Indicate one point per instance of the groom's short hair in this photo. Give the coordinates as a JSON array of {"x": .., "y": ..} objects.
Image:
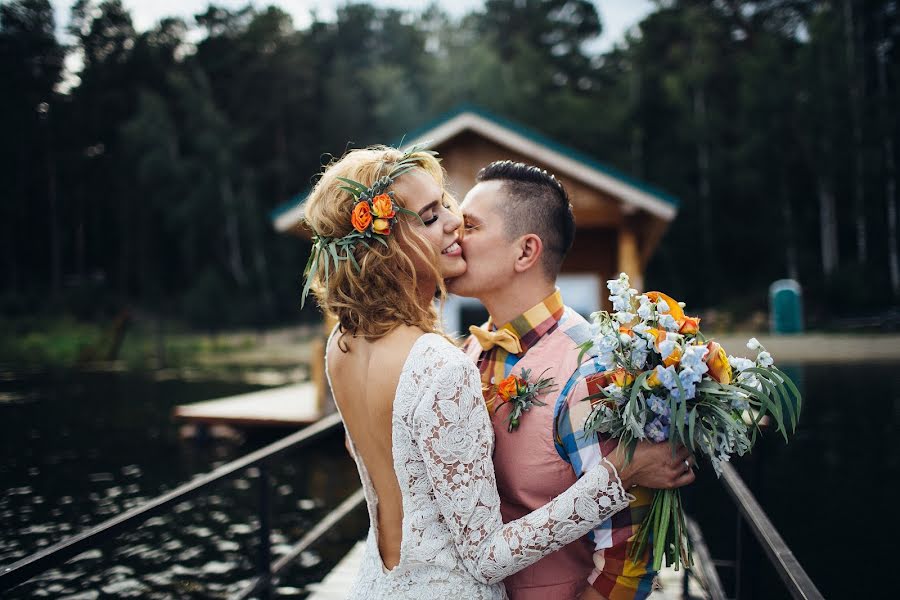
[{"x": 536, "y": 202}]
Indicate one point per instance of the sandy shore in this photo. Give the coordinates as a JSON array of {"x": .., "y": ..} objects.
[
  {"x": 284, "y": 347},
  {"x": 818, "y": 347}
]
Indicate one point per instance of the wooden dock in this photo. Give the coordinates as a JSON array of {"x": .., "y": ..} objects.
[
  {"x": 336, "y": 584},
  {"x": 287, "y": 406}
]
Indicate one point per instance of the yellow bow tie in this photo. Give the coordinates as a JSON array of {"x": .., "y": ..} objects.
[{"x": 502, "y": 337}]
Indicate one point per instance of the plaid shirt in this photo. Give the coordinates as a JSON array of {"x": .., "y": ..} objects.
[{"x": 616, "y": 577}]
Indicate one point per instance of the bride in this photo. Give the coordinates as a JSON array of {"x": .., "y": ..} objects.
[{"x": 385, "y": 238}]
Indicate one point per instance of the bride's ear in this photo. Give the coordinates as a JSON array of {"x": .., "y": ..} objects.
[{"x": 530, "y": 248}]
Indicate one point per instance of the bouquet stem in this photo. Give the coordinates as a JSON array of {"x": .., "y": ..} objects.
[{"x": 664, "y": 529}]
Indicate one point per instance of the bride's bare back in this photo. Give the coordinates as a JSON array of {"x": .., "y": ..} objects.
[{"x": 364, "y": 381}]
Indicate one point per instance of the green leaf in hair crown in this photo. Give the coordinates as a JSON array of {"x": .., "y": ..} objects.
[{"x": 372, "y": 217}]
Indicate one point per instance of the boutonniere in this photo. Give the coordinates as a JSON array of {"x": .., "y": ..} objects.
[{"x": 521, "y": 395}]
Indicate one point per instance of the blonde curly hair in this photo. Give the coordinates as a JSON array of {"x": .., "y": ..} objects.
[{"x": 383, "y": 293}]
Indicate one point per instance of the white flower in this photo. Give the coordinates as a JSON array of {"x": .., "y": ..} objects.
[
  {"x": 643, "y": 330},
  {"x": 645, "y": 310},
  {"x": 688, "y": 375},
  {"x": 753, "y": 343},
  {"x": 662, "y": 306},
  {"x": 668, "y": 322},
  {"x": 608, "y": 360},
  {"x": 624, "y": 338},
  {"x": 750, "y": 379},
  {"x": 638, "y": 358},
  {"x": 638, "y": 343},
  {"x": 624, "y": 317},
  {"x": 618, "y": 286},
  {"x": 688, "y": 378},
  {"x": 764, "y": 359},
  {"x": 739, "y": 364},
  {"x": 620, "y": 302},
  {"x": 667, "y": 376},
  {"x": 666, "y": 348},
  {"x": 693, "y": 357},
  {"x": 614, "y": 391},
  {"x": 608, "y": 343}
]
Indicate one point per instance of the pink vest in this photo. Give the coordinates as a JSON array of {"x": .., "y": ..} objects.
[{"x": 530, "y": 472}]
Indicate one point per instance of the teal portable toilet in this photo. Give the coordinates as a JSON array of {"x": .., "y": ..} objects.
[{"x": 785, "y": 307}]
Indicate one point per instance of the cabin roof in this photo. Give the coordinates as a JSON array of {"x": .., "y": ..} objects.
[{"x": 559, "y": 158}]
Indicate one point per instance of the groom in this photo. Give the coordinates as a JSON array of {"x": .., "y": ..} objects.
[{"x": 518, "y": 229}]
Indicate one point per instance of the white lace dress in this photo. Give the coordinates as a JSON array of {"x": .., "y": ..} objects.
[{"x": 454, "y": 543}]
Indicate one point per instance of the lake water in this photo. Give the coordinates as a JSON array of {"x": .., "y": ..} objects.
[
  {"x": 79, "y": 448},
  {"x": 828, "y": 492}
]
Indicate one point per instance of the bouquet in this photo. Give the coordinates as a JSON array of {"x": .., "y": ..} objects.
[{"x": 664, "y": 381}]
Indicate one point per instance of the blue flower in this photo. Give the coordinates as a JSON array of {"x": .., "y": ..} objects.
[
  {"x": 658, "y": 405},
  {"x": 656, "y": 430}
]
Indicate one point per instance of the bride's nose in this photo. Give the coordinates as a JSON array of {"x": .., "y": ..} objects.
[{"x": 452, "y": 223}]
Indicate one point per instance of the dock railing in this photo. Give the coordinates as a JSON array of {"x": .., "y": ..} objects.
[
  {"x": 751, "y": 515},
  {"x": 792, "y": 575},
  {"x": 31, "y": 566}
]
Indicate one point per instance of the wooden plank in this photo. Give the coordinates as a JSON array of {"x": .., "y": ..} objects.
[
  {"x": 286, "y": 406},
  {"x": 337, "y": 583}
]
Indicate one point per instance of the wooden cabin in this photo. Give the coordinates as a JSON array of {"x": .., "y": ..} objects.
[{"x": 620, "y": 220}]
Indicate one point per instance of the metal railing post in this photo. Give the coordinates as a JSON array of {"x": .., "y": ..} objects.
[
  {"x": 738, "y": 558},
  {"x": 264, "y": 560}
]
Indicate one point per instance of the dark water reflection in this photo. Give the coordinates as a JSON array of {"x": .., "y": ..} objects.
[
  {"x": 828, "y": 492},
  {"x": 79, "y": 448}
]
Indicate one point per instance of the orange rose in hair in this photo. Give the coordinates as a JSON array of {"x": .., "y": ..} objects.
[
  {"x": 383, "y": 207},
  {"x": 381, "y": 226},
  {"x": 361, "y": 217}
]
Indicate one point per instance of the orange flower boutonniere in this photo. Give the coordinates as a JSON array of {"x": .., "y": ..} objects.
[{"x": 521, "y": 395}]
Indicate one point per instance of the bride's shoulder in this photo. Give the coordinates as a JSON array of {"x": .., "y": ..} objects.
[{"x": 449, "y": 352}]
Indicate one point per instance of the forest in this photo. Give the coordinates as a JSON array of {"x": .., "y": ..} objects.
[{"x": 146, "y": 178}]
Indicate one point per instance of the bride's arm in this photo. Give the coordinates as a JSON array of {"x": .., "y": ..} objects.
[{"x": 454, "y": 434}]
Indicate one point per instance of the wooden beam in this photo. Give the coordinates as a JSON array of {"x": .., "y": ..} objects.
[{"x": 629, "y": 256}]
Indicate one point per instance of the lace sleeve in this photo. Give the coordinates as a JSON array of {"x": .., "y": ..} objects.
[{"x": 454, "y": 435}]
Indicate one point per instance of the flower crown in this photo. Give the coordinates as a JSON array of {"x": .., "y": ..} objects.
[{"x": 372, "y": 217}]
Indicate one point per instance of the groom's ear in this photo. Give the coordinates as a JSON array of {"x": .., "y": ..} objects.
[{"x": 530, "y": 248}]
